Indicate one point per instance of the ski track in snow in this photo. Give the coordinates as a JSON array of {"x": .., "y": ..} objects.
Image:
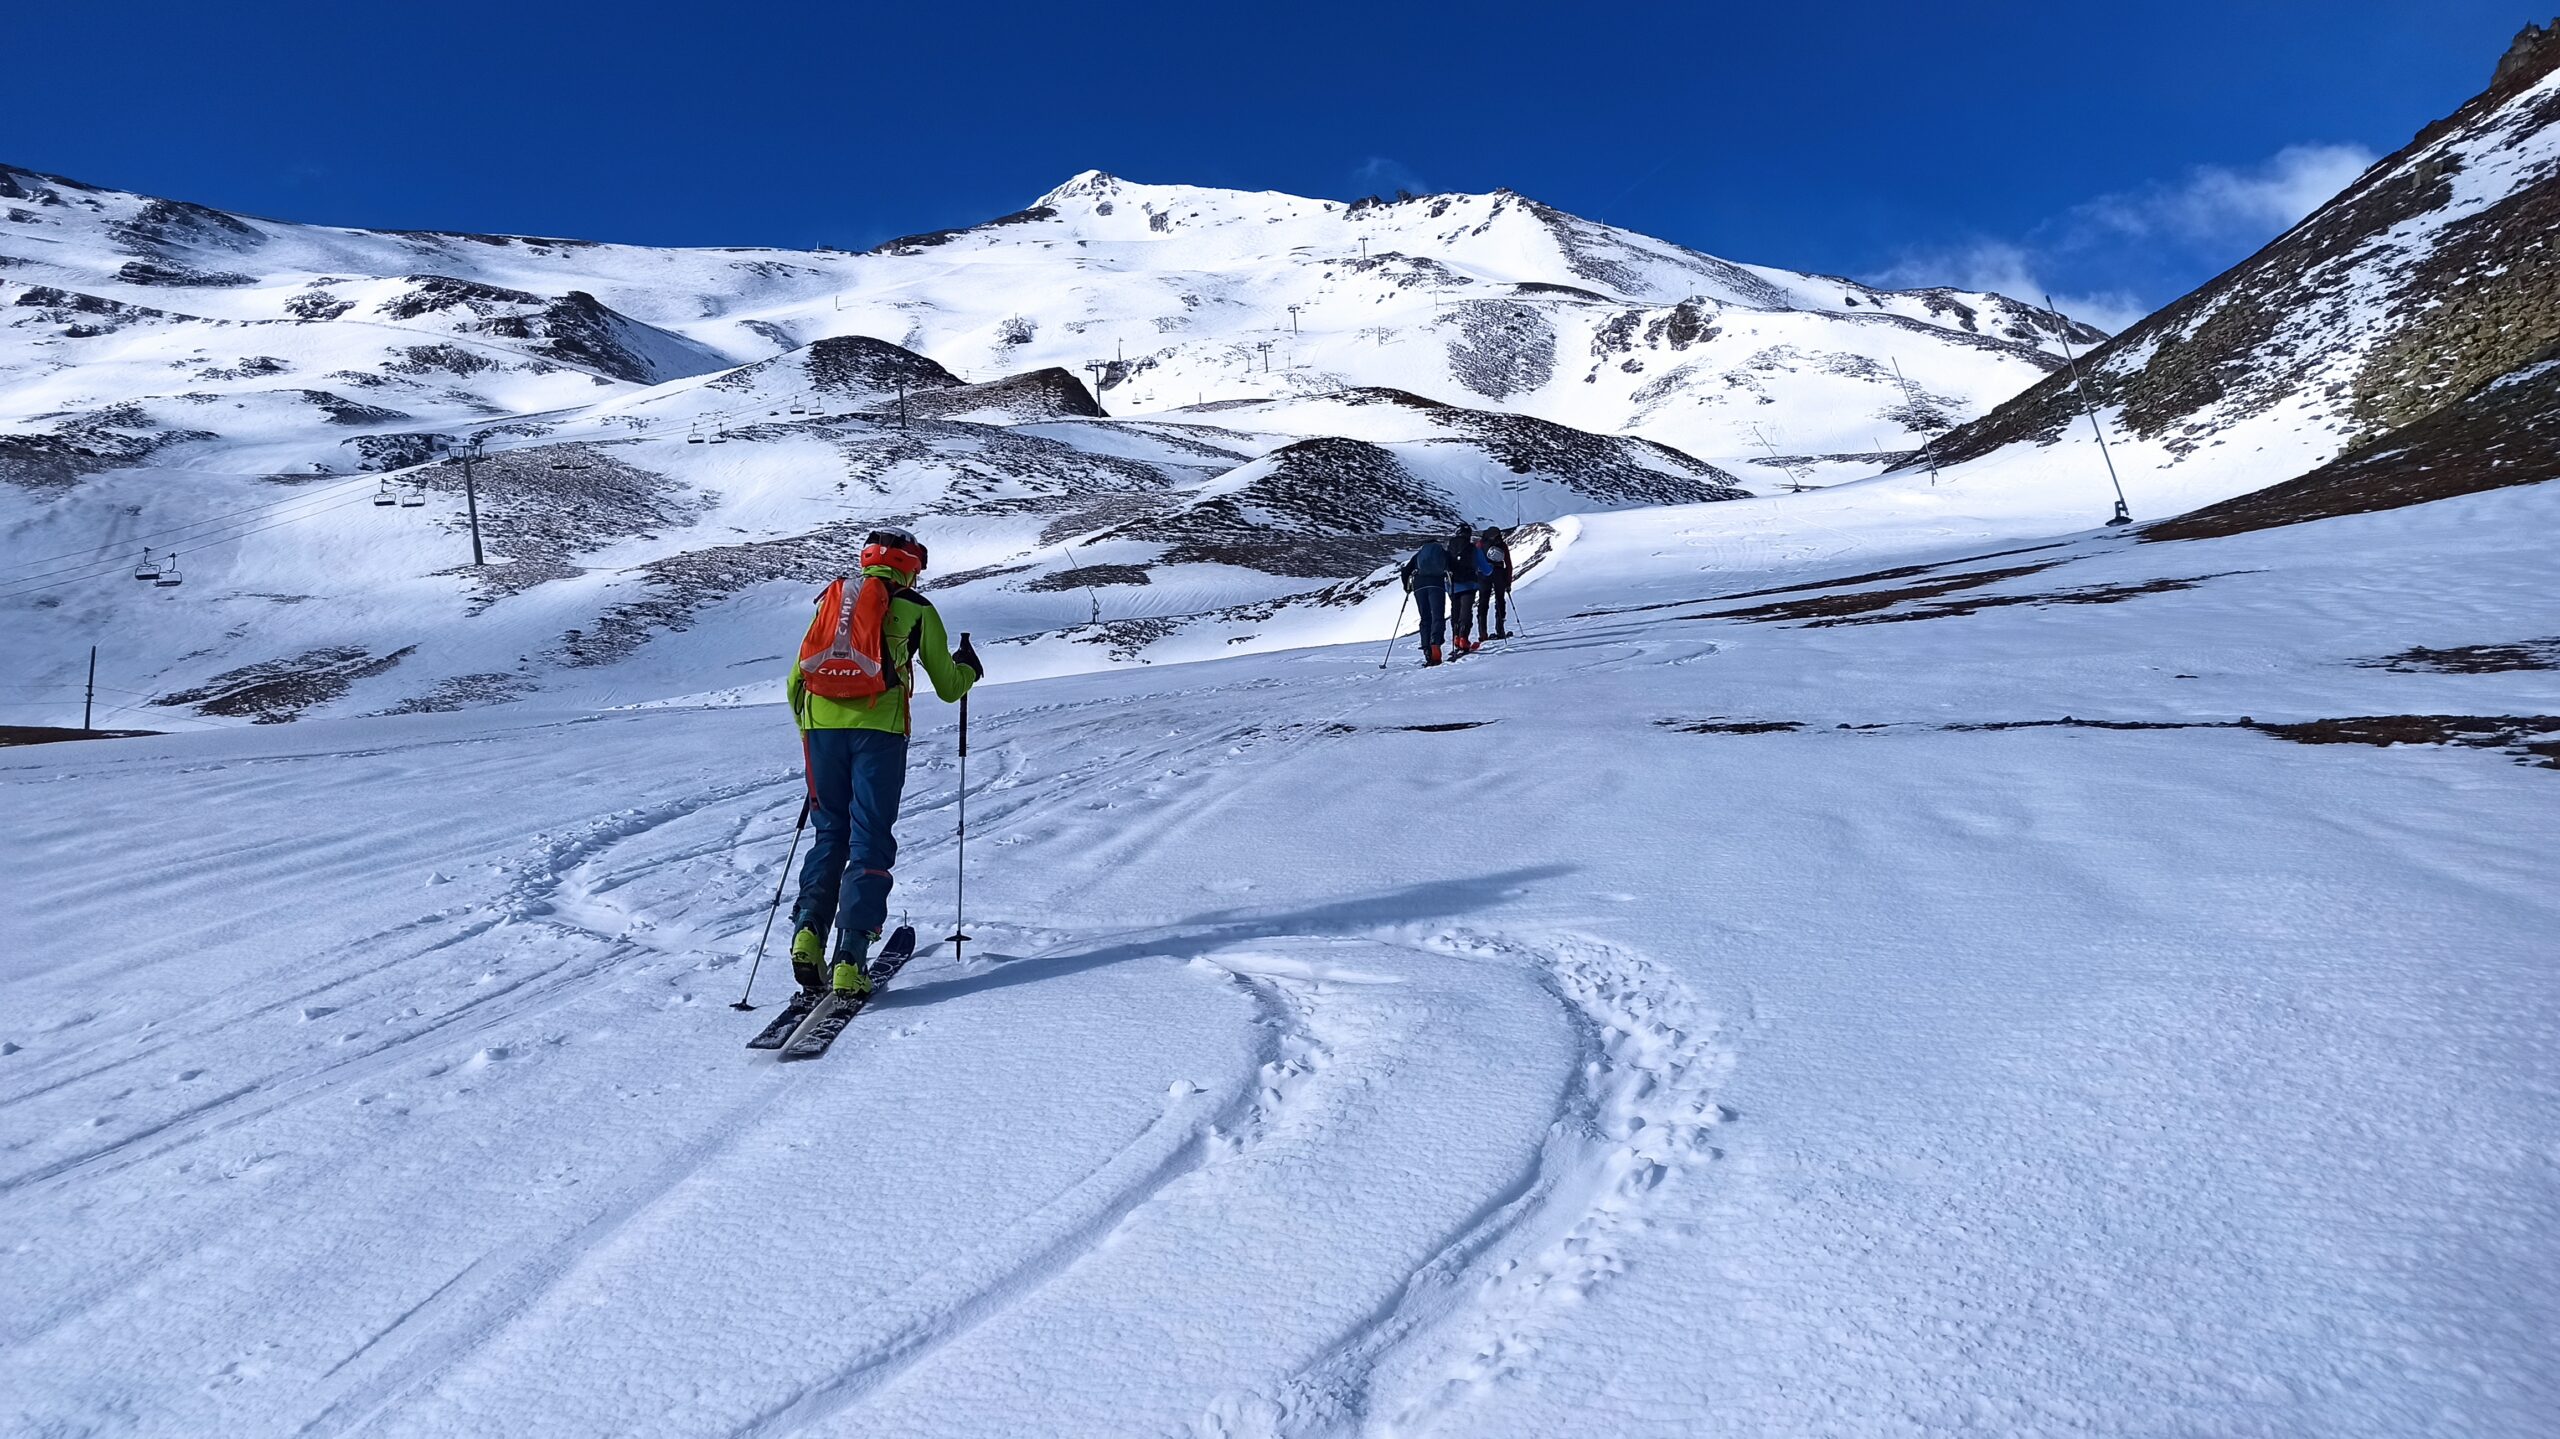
[
  {"x": 1627, "y": 1108},
  {"x": 1632, "y": 1112},
  {"x": 1639, "y": 1114},
  {"x": 552, "y": 872}
]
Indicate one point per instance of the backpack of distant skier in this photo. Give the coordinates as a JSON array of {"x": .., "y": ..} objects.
[{"x": 844, "y": 656}]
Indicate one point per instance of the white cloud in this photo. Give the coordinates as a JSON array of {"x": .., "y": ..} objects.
[
  {"x": 1383, "y": 175},
  {"x": 2007, "y": 269},
  {"x": 2217, "y": 205},
  {"x": 2144, "y": 245}
]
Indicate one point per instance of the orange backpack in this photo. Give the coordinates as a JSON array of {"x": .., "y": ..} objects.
[{"x": 845, "y": 654}]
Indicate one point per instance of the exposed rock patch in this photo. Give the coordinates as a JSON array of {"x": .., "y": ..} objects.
[
  {"x": 276, "y": 691},
  {"x": 1503, "y": 348},
  {"x": 2542, "y": 654}
]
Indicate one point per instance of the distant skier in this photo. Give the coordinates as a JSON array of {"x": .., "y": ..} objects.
[
  {"x": 1426, "y": 578},
  {"x": 849, "y": 692},
  {"x": 1464, "y": 578},
  {"x": 1493, "y": 596}
]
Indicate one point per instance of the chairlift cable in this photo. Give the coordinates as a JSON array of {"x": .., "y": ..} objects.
[
  {"x": 213, "y": 534},
  {"x": 25, "y": 588},
  {"x": 214, "y": 537}
]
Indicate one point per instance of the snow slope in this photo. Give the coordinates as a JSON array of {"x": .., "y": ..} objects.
[{"x": 1762, "y": 998}]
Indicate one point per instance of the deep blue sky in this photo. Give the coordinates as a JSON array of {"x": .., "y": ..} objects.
[{"x": 2121, "y": 153}]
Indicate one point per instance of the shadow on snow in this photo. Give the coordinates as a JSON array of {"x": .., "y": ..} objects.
[{"x": 1206, "y": 933}]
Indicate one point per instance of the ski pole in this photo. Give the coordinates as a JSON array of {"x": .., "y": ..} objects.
[
  {"x": 776, "y": 909},
  {"x": 1398, "y": 632},
  {"x": 960, "y": 888}
]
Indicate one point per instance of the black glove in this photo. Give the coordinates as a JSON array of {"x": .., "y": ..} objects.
[{"x": 967, "y": 654}]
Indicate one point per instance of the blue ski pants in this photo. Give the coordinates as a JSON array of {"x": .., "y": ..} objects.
[
  {"x": 1433, "y": 602},
  {"x": 856, "y": 777}
]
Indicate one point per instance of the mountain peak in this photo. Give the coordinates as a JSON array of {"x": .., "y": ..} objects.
[{"x": 1084, "y": 185}]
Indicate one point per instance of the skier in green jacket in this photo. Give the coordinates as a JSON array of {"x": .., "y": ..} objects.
[{"x": 856, "y": 755}]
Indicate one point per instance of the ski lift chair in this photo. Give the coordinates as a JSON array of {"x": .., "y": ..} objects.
[
  {"x": 382, "y": 495},
  {"x": 146, "y": 570},
  {"x": 169, "y": 576},
  {"x": 413, "y": 497}
]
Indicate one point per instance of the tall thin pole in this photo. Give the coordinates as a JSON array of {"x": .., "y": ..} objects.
[
  {"x": 1088, "y": 584},
  {"x": 1911, "y": 403},
  {"x": 471, "y": 499},
  {"x": 960, "y": 894},
  {"x": 2123, "y": 516},
  {"x": 89, "y": 700}
]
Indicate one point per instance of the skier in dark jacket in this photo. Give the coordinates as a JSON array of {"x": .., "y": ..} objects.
[
  {"x": 1426, "y": 578},
  {"x": 1493, "y": 596},
  {"x": 1463, "y": 581}
]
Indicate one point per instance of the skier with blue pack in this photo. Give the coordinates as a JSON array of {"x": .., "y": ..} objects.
[
  {"x": 1493, "y": 597},
  {"x": 1467, "y": 571}
]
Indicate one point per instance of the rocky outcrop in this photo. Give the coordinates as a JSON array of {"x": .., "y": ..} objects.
[
  {"x": 1046, "y": 394},
  {"x": 2534, "y": 54},
  {"x": 861, "y": 365}
]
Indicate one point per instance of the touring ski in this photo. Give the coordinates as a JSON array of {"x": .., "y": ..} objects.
[
  {"x": 838, "y": 1010},
  {"x": 778, "y": 1033}
]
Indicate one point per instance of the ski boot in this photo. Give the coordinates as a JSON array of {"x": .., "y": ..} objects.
[
  {"x": 852, "y": 952},
  {"x": 1430, "y": 656},
  {"x": 808, "y": 959}
]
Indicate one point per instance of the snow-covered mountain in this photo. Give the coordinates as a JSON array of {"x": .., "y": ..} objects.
[
  {"x": 2409, "y": 327},
  {"x": 1141, "y": 422}
]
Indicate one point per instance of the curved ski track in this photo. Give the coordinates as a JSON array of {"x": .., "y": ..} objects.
[{"x": 1627, "y": 1107}]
